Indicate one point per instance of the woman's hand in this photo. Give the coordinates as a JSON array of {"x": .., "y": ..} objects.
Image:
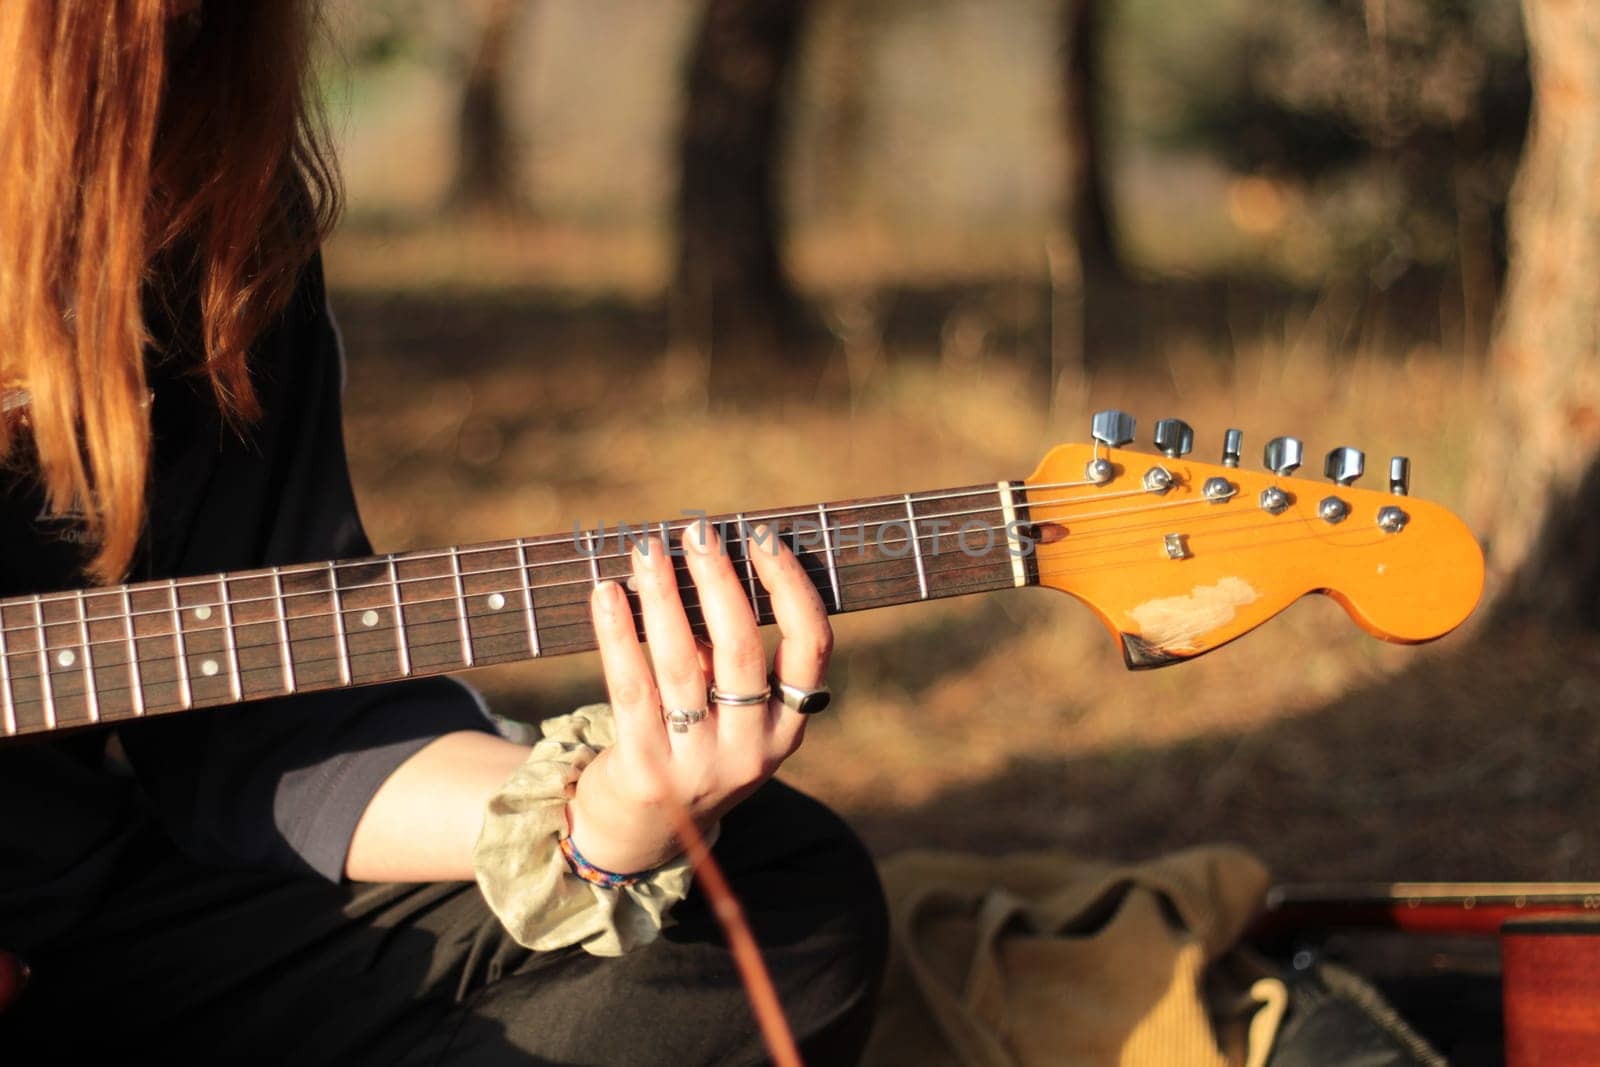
[{"x": 621, "y": 815}]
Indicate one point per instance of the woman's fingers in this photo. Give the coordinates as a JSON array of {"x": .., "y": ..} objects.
[
  {"x": 738, "y": 744},
  {"x": 679, "y": 677},
  {"x": 806, "y": 637},
  {"x": 739, "y": 662},
  {"x": 635, "y": 704}
]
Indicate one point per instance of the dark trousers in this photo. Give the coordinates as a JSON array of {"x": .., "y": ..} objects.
[{"x": 200, "y": 965}]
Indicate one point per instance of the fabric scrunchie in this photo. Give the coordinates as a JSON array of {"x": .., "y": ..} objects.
[{"x": 525, "y": 878}]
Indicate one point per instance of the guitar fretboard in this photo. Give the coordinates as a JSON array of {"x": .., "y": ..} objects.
[{"x": 113, "y": 654}]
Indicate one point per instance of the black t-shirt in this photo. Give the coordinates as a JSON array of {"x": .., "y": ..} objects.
[{"x": 279, "y": 782}]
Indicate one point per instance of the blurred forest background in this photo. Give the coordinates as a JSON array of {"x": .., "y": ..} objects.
[{"x": 610, "y": 259}]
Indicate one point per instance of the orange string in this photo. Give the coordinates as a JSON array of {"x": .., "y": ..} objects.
[{"x": 775, "y": 1032}]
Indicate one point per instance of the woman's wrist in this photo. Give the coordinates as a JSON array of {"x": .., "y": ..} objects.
[
  {"x": 623, "y": 846},
  {"x": 580, "y": 867}
]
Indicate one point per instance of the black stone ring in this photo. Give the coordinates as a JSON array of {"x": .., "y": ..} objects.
[{"x": 805, "y": 701}]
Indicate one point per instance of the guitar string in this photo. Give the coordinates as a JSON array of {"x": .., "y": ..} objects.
[
  {"x": 295, "y": 569},
  {"x": 73, "y": 676},
  {"x": 317, "y": 568},
  {"x": 166, "y": 588},
  {"x": 452, "y": 619},
  {"x": 32, "y": 629}
]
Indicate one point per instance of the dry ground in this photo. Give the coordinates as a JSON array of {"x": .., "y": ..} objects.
[{"x": 1008, "y": 720}]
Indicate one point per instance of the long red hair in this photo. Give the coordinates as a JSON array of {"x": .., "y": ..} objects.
[{"x": 143, "y": 154}]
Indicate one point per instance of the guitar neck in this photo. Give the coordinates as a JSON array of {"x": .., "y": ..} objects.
[
  {"x": 113, "y": 654},
  {"x": 1421, "y": 907}
]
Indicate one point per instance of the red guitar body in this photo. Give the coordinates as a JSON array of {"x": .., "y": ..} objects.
[{"x": 1550, "y": 967}]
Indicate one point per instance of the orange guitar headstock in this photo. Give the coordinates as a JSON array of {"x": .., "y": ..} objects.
[{"x": 1179, "y": 557}]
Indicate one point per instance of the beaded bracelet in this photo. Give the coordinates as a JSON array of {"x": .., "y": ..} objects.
[{"x": 589, "y": 872}]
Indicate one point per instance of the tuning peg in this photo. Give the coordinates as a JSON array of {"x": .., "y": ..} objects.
[
  {"x": 1344, "y": 465},
  {"x": 1112, "y": 428},
  {"x": 1283, "y": 455},
  {"x": 1399, "y": 476},
  {"x": 1174, "y": 437},
  {"x": 1232, "y": 441}
]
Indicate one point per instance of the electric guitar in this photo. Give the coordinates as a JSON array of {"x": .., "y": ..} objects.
[
  {"x": 1548, "y": 933},
  {"x": 1174, "y": 556}
]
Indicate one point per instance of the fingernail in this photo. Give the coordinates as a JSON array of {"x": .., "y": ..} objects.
[
  {"x": 643, "y": 553},
  {"x": 703, "y": 538}
]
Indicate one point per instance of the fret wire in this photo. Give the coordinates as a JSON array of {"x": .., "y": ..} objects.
[
  {"x": 229, "y": 642},
  {"x": 90, "y": 697},
  {"x": 594, "y": 555},
  {"x": 5, "y": 680},
  {"x": 916, "y": 546},
  {"x": 179, "y": 648},
  {"x": 283, "y": 631},
  {"x": 461, "y": 605},
  {"x": 402, "y": 643},
  {"x": 46, "y": 688},
  {"x": 135, "y": 681},
  {"x": 827, "y": 549},
  {"x": 338, "y": 624},
  {"x": 527, "y": 597},
  {"x": 749, "y": 566}
]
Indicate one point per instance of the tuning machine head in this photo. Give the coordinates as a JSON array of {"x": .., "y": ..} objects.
[
  {"x": 1112, "y": 428},
  {"x": 1399, "y": 476},
  {"x": 1174, "y": 437},
  {"x": 1344, "y": 465},
  {"x": 1232, "y": 442},
  {"x": 1283, "y": 455}
]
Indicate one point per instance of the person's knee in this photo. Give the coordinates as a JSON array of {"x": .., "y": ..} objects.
[{"x": 817, "y": 910}]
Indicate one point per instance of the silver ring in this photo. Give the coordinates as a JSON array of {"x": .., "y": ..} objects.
[
  {"x": 680, "y": 719},
  {"x": 717, "y": 696},
  {"x": 805, "y": 701}
]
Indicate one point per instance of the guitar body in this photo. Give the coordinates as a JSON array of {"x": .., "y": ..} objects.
[
  {"x": 1550, "y": 970},
  {"x": 1549, "y": 935}
]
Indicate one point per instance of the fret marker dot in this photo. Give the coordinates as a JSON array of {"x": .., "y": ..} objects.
[
  {"x": 66, "y": 658},
  {"x": 202, "y": 613},
  {"x": 369, "y": 618},
  {"x": 496, "y": 601},
  {"x": 209, "y": 667}
]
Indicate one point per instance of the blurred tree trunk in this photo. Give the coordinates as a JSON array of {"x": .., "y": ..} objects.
[
  {"x": 487, "y": 171},
  {"x": 1089, "y": 213},
  {"x": 842, "y": 53},
  {"x": 1539, "y": 467},
  {"x": 731, "y": 295}
]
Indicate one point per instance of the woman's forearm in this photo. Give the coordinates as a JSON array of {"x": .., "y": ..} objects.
[{"x": 422, "y": 822}]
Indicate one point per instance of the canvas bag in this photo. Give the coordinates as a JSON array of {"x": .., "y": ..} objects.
[{"x": 1049, "y": 958}]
